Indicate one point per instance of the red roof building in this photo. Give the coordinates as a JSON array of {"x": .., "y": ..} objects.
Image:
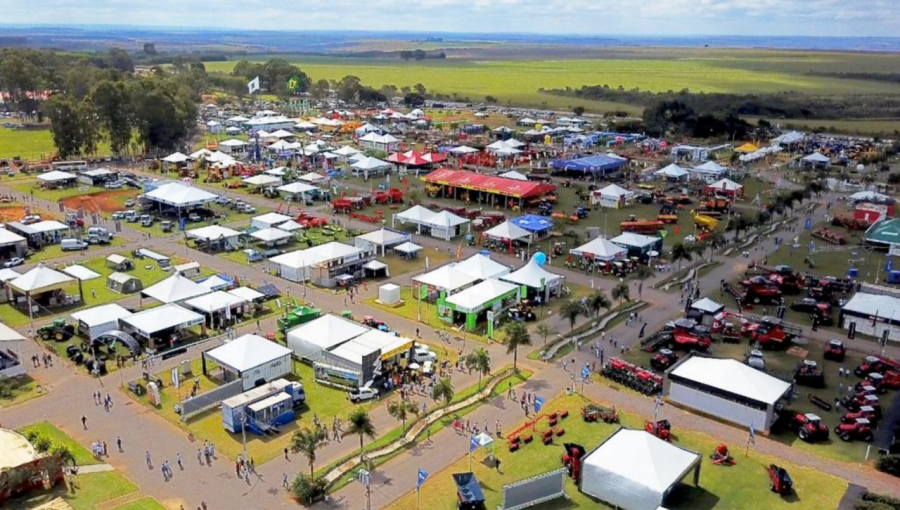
[{"x": 451, "y": 180}]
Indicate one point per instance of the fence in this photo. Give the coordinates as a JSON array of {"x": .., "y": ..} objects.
[{"x": 195, "y": 405}]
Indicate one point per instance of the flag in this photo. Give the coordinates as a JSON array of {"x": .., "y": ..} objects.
[
  {"x": 253, "y": 86},
  {"x": 890, "y": 265},
  {"x": 293, "y": 83},
  {"x": 752, "y": 435},
  {"x": 473, "y": 444},
  {"x": 423, "y": 475},
  {"x": 585, "y": 372},
  {"x": 677, "y": 230},
  {"x": 181, "y": 223},
  {"x": 538, "y": 404},
  {"x": 658, "y": 404}
]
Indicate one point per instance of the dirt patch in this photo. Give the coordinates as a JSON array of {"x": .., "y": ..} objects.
[
  {"x": 10, "y": 213},
  {"x": 105, "y": 201}
]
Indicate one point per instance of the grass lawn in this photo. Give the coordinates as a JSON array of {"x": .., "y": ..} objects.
[
  {"x": 742, "y": 486},
  {"x": 55, "y": 195},
  {"x": 784, "y": 363},
  {"x": 82, "y": 455},
  {"x": 33, "y": 144},
  {"x": 24, "y": 389},
  {"x": 92, "y": 489},
  {"x": 55, "y": 251},
  {"x": 147, "y": 503}
]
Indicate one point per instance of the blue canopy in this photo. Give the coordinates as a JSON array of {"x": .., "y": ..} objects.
[
  {"x": 598, "y": 163},
  {"x": 533, "y": 223}
]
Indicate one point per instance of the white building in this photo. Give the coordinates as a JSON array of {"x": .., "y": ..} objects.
[{"x": 252, "y": 359}]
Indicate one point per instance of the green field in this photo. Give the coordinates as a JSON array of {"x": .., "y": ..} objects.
[{"x": 33, "y": 144}]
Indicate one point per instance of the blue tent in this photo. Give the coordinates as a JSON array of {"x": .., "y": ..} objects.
[
  {"x": 599, "y": 163},
  {"x": 533, "y": 223}
]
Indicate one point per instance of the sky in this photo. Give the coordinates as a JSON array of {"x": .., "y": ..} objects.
[{"x": 869, "y": 18}]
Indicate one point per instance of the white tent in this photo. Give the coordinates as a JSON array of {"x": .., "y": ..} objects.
[
  {"x": 176, "y": 157},
  {"x": 161, "y": 318},
  {"x": 726, "y": 185},
  {"x": 212, "y": 233},
  {"x": 512, "y": 174},
  {"x": 868, "y": 196},
  {"x": 271, "y": 235},
  {"x": 7, "y": 274},
  {"x": 613, "y": 196},
  {"x": 599, "y": 248},
  {"x": 290, "y": 226},
  {"x": 233, "y": 143},
  {"x": 370, "y": 165},
  {"x": 174, "y": 289},
  {"x": 788, "y": 138},
  {"x": 707, "y": 305},
  {"x": 408, "y": 248},
  {"x": 630, "y": 239},
  {"x": 100, "y": 319},
  {"x": 444, "y": 224},
  {"x": 481, "y": 267},
  {"x": 416, "y": 215},
  {"x": 268, "y": 220},
  {"x": 313, "y": 177},
  {"x": 263, "y": 180},
  {"x": 464, "y": 150},
  {"x": 307, "y": 341},
  {"x": 202, "y": 153},
  {"x": 281, "y": 133},
  {"x": 81, "y": 272},
  {"x": 672, "y": 171},
  {"x": 507, "y": 151},
  {"x": 533, "y": 275},
  {"x": 477, "y": 297},
  {"x": 40, "y": 279},
  {"x": 297, "y": 188},
  {"x": 383, "y": 238},
  {"x": 56, "y": 176},
  {"x": 252, "y": 358},
  {"x": 507, "y": 231},
  {"x": 215, "y": 302},
  {"x": 215, "y": 282},
  {"x": 446, "y": 278},
  {"x": 247, "y": 294},
  {"x": 635, "y": 470},
  {"x": 817, "y": 158},
  {"x": 180, "y": 195},
  {"x": 346, "y": 151}
]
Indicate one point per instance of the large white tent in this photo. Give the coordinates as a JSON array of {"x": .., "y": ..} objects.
[
  {"x": 533, "y": 275},
  {"x": 444, "y": 224},
  {"x": 370, "y": 166},
  {"x": 211, "y": 233},
  {"x": 40, "y": 279},
  {"x": 508, "y": 231},
  {"x": 176, "y": 157},
  {"x": 272, "y": 235},
  {"x": 263, "y": 180},
  {"x": 599, "y": 248},
  {"x": 416, "y": 215},
  {"x": 446, "y": 278},
  {"x": 672, "y": 171},
  {"x": 174, "y": 289},
  {"x": 307, "y": 341},
  {"x": 100, "y": 320},
  {"x": 252, "y": 359},
  {"x": 152, "y": 321},
  {"x": 477, "y": 297},
  {"x": 613, "y": 196},
  {"x": 383, "y": 238},
  {"x": 635, "y": 470},
  {"x": 481, "y": 267},
  {"x": 215, "y": 302},
  {"x": 177, "y": 194}
]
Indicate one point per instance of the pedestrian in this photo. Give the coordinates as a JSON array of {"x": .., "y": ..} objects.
[
  {"x": 247, "y": 476},
  {"x": 237, "y": 468},
  {"x": 84, "y": 421},
  {"x": 417, "y": 333},
  {"x": 104, "y": 450},
  {"x": 284, "y": 480},
  {"x": 149, "y": 461},
  {"x": 199, "y": 456},
  {"x": 497, "y": 464},
  {"x": 257, "y": 325},
  {"x": 119, "y": 443},
  {"x": 165, "y": 475},
  {"x": 178, "y": 460},
  {"x": 286, "y": 454}
]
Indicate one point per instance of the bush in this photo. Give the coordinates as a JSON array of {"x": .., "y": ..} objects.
[
  {"x": 889, "y": 464},
  {"x": 308, "y": 490},
  {"x": 872, "y": 501}
]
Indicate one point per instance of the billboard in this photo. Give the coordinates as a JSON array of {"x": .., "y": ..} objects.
[{"x": 534, "y": 491}]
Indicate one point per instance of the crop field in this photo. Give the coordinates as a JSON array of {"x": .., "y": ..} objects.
[{"x": 33, "y": 144}]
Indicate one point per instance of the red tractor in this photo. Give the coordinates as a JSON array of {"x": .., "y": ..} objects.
[
  {"x": 661, "y": 429},
  {"x": 664, "y": 359},
  {"x": 689, "y": 335},
  {"x": 760, "y": 291},
  {"x": 881, "y": 382},
  {"x": 721, "y": 457},
  {"x": 808, "y": 374},
  {"x": 857, "y": 402},
  {"x": 876, "y": 364},
  {"x": 861, "y": 428},
  {"x": 779, "y": 480},
  {"x": 632, "y": 376},
  {"x": 835, "y": 351},
  {"x": 866, "y": 412},
  {"x": 571, "y": 460},
  {"x": 809, "y": 427},
  {"x": 772, "y": 333},
  {"x": 342, "y": 205}
]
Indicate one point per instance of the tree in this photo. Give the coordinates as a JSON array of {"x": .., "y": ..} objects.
[
  {"x": 361, "y": 425},
  {"x": 401, "y": 409},
  {"x": 419, "y": 89},
  {"x": 308, "y": 442},
  {"x": 348, "y": 88},
  {"x": 516, "y": 334},
  {"x": 7, "y": 387},
  {"x": 544, "y": 330},
  {"x": 413, "y": 99},
  {"x": 320, "y": 89},
  {"x": 443, "y": 390},
  {"x": 72, "y": 125},
  {"x": 598, "y": 301},
  {"x": 578, "y": 111},
  {"x": 149, "y": 48},
  {"x": 117, "y": 58},
  {"x": 306, "y": 489},
  {"x": 165, "y": 110},
  {"x": 621, "y": 291},
  {"x": 112, "y": 105},
  {"x": 570, "y": 311},
  {"x": 480, "y": 361},
  {"x": 680, "y": 253}
]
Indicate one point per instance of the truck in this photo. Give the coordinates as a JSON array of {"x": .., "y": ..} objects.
[{"x": 99, "y": 235}]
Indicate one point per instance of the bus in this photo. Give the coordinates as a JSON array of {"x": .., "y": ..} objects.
[{"x": 69, "y": 166}]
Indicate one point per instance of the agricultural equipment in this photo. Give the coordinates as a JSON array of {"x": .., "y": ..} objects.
[
  {"x": 876, "y": 364},
  {"x": 721, "y": 457},
  {"x": 861, "y": 428},
  {"x": 779, "y": 480},
  {"x": 581, "y": 213},
  {"x": 860, "y": 400},
  {"x": 756, "y": 360},
  {"x": 850, "y": 223},
  {"x": 664, "y": 359},
  {"x": 820, "y": 311},
  {"x": 829, "y": 236},
  {"x": 705, "y": 221},
  {"x": 758, "y": 291},
  {"x": 729, "y": 333},
  {"x": 881, "y": 382},
  {"x": 300, "y": 314},
  {"x": 632, "y": 376},
  {"x": 642, "y": 226},
  {"x": 593, "y": 412},
  {"x": 866, "y": 412},
  {"x": 545, "y": 208},
  {"x": 808, "y": 374},
  {"x": 661, "y": 429},
  {"x": 689, "y": 335},
  {"x": 771, "y": 333},
  {"x": 668, "y": 219},
  {"x": 835, "y": 351},
  {"x": 341, "y": 205},
  {"x": 368, "y": 219},
  {"x": 57, "y": 330},
  {"x": 372, "y": 322},
  {"x": 718, "y": 204},
  {"x": 809, "y": 427},
  {"x": 571, "y": 460}
]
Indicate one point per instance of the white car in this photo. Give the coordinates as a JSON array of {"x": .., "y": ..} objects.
[
  {"x": 363, "y": 394},
  {"x": 13, "y": 262},
  {"x": 129, "y": 202},
  {"x": 423, "y": 353}
]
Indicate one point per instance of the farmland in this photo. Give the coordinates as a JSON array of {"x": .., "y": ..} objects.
[{"x": 32, "y": 144}]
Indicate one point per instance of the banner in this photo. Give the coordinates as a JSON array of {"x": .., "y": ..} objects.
[{"x": 253, "y": 86}]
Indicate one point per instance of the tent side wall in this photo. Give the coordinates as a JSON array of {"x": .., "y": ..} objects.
[
  {"x": 267, "y": 372},
  {"x": 742, "y": 412},
  {"x": 618, "y": 491}
]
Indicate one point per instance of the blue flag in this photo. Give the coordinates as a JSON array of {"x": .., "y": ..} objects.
[
  {"x": 538, "y": 404},
  {"x": 182, "y": 222},
  {"x": 422, "y": 476},
  {"x": 752, "y": 434},
  {"x": 473, "y": 444},
  {"x": 890, "y": 265},
  {"x": 808, "y": 224},
  {"x": 585, "y": 372}
]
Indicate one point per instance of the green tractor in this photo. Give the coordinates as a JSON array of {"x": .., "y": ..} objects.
[
  {"x": 57, "y": 330},
  {"x": 299, "y": 315}
]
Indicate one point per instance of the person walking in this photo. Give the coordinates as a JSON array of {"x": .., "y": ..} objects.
[
  {"x": 199, "y": 456},
  {"x": 286, "y": 454},
  {"x": 119, "y": 443},
  {"x": 148, "y": 459},
  {"x": 84, "y": 421},
  {"x": 178, "y": 460},
  {"x": 284, "y": 480}
]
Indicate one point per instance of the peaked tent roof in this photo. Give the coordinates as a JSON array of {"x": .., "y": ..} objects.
[
  {"x": 726, "y": 184},
  {"x": 40, "y": 279},
  {"x": 271, "y": 234},
  {"x": 180, "y": 195},
  {"x": 614, "y": 191},
  {"x": 481, "y": 267},
  {"x": 247, "y": 352},
  {"x": 370, "y": 163},
  {"x": 474, "y": 297},
  {"x": 634, "y": 240},
  {"x": 817, "y": 157},
  {"x": 416, "y": 214},
  {"x": 672, "y": 170},
  {"x": 531, "y": 274},
  {"x": 446, "y": 277},
  {"x": 214, "y": 302},
  {"x": 533, "y": 222},
  {"x": 446, "y": 219},
  {"x": 310, "y": 339},
  {"x": 600, "y": 248},
  {"x": 175, "y": 157},
  {"x": 886, "y": 231},
  {"x": 710, "y": 166},
  {"x": 787, "y": 138},
  {"x": 734, "y": 377},
  {"x": 384, "y": 237},
  {"x": 508, "y": 230},
  {"x": 512, "y": 174},
  {"x": 175, "y": 288},
  {"x": 707, "y": 305}
]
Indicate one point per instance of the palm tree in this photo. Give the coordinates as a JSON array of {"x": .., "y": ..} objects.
[
  {"x": 443, "y": 389},
  {"x": 598, "y": 301},
  {"x": 516, "y": 334},
  {"x": 544, "y": 330},
  {"x": 712, "y": 240},
  {"x": 620, "y": 291},
  {"x": 480, "y": 361},
  {"x": 307, "y": 442},
  {"x": 361, "y": 425},
  {"x": 571, "y": 310},
  {"x": 401, "y": 410},
  {"x": 679, "y": 253}
]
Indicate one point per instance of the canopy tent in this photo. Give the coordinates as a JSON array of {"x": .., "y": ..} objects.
[
  {"x": 174, "y": 289},
  {"x": 278, "y": 171},
  {"x": 747, "y": 148},
  {"x": 212, "y": 233},
  {"x": 709, "y": 171},
  {"x": 672, "y": 171},
  {"x": 40, "y": 279},
  {"x": 297, "y": 188},
  {"x": 247, "y": 294},
  {"x": 635, "y": 470},
  {"x": 347, "y": 151},
  {"x": 707, "y": 306},
  {"x": 268, "y": 220},
  {"x": 307, "y": 341},
  {"x": 481, "y": 267},
  {"x": 599, "y": 163},
  {"x": 601, "y": 249},
  {"x": 262, "y": 180},
  {"x": 56, "y": 176},
  {"x": 444, "y": 224},
  {"x": 533, "y": 223},
  {"x": 725, "y": 187},
  {"x": 271, "y": 236},
  {"x": 313, "y": 177},
  {"x": 507, "y": 231},
  {"x": 216, "y": 282},
  {"x": 446, "y": 278},
  {"x": 883, "y": 232},
  {"x": 155, "y": 320},
  {"x": 248, "y": 353},
  {"x": 533, "y": 275},
  {"x": 462, "y": 150},
  {"x": 215, "y": 302},
  {"x": 408, "y": 249},
  {"x": 733, "y": 377},
  {"x": 512, "y": 174},
  {"x": 80, "y": 272},
  {"x": 613, "y": 196},
  {"x": 389, "y": 344},
  {"x": 176, "y": 157},
  {"x": 383, "y": 238},
  {"x": 481, "y": 296},
  {"x": 789, "y": 138},
  {"x": 180, "y": 195},
  {"x": 290, "y": 226},
  {"x": 202, "y": 153},
  {"x": 233, "y": 143},
  {"x": 100, "y": 319},
  {"x": 370, "y": 166},
  {"x": 7, "y": 274},
  {"x": 816, "y": 159},
  {"x": 8, "y": 334},
  {"x": 632, "y": 240},
  {"x": 375, "y": 267},
  {"x": 416, "y": 215}
]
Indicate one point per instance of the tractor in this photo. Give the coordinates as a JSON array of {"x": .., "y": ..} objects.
[
  {"x": 819, "y": 311},
  {"x": 809, "y": 374},
  {"x": 881, "y": 382},
  {"x": 876, "y": 364},
  {"x": 571, "y": 460},
  {"x": 664, "y": 359},
  {"x": 661, "y": 429},
  {"x": 689, "y": 335},
  {"x": 593, "y": 413},
  {"x": 57, "y": 330},
  {"x": 773, "y": 334},
  {"x": 809, "y": 427},
  {"x": 721, "y": 457},
  {"x": 866, "y": 412},
  {"x": 835, "y": 351},
  {"x": 779, "y": 480},
  {"x": 857, "y": 402},
  {"x": 861, "y": 428}
]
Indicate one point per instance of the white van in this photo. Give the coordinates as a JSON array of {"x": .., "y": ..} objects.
[{"x": 73, "y": 245}]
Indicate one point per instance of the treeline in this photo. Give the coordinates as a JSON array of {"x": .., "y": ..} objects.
[
  {"x": 421, "y": 55},
  {"x": 98, "y": 96},
  {"x": 781, "y": 105},
  {"x": 677, "y": 118},
  {"x": 274, "y": 76},
  {"x": 885, "y": 77}
]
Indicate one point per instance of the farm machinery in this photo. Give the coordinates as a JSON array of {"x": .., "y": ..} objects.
[
  {"x": 863, "y": 399},
  {"x": 757, "y": 291},
  {"x": 809, "y": 374},
  {"x": 809, "y": 427},
  {"x": 716, "y": 204},
  {"x": 881, "y": 382},
  {"x": 820, "y": 312},
  {"x": 300, "y": 314},
  {"x": 594, "y": 412},
  {"x": 784, "y": 277},
  {"x": 850, "y": 223},
  {"x": 770, "y": 332},
  {"x": 683, "y": 334},
  {"x": 721, "y": 457},
  {"x": 632, "y": 376},
  {"x": 860, "y": 428},
  {"x": 829, "y": 236},
  {"x": 661, "y": 429},
  {"x": 835, "y": 351},
  {"x": 642, "y": 226},
  {"x": 391, "y": 196},
  {"x": 664, "y": 359},
  {"x": 780, "y": 481},
  {"x": 57, "y": 330},
  {"x": 571, "y": 460},
  {"x": 866, "y": 412},
  {"x": 704, "y": 221},
  {"x": 876, "y": 364}
]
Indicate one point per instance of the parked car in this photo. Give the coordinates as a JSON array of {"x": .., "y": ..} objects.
[
  {"x": 113, "y": 185},
  {"x": 73, "y": 245},
  {"x": 32, "y": 218},
  {"x": 13, "y": 262},
  {"x": 129, "y": 202},
  {"x": 363, "y": 394},
  {"x": 118, "y": 215},
  {"x": 193, "y": 217}
]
